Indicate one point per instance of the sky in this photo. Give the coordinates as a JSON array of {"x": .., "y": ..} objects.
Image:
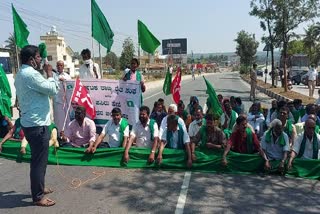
[{"x": 210, "y": 26}]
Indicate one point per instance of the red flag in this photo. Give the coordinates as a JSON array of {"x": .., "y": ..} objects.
[
  {"x": 176, "y": 87},
  {"x": 82, "y": 97}
]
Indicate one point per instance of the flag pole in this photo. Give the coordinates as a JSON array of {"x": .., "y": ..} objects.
[
  {"x": 101, "y": 71},
  {"x": 17, "y": 58},
  {"x": 67, "y": 113}
]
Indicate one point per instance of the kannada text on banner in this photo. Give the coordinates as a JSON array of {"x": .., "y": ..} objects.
[{"x": 108, "y": 94}]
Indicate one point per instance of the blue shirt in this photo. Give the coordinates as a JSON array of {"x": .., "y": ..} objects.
[{"x": 33, "y": 92}]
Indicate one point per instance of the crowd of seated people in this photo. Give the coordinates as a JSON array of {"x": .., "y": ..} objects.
[{"x": 283, "y": 132}]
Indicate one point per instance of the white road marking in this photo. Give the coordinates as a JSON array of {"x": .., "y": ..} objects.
[
  {"x": 183, "y": 193},
  {"x": 152, "y": 95}
]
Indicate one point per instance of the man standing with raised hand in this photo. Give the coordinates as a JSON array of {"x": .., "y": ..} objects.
[{"x": 33, "y": 92}]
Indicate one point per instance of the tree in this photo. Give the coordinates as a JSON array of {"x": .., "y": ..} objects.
[
  {"x": 246, "y": 48},
  {"x": 127, "y": 53},
  {"x": 290, "y": 14},
  {"x": 312, "y": 43},
  {"x": 11, "y": 45},
  {"x": 296, "y": 47},
  {"x": 112, "y": 60},
  {"x": 265, "y": 11}
]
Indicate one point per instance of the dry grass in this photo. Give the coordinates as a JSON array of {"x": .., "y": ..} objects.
[{"x": 289, "y": 94}]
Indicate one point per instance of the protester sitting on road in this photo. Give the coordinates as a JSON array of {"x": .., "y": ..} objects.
[
  {"x": 209, "y": 136},
  {"x": 271, "y": 111},
  {"x": 175, "y": 137},
  {"x": 145, "y": 133},
  {"x": 307, "y": 145},
  {"x": 239, "y": 107},
  {"x": 160, "y": 100},
  {"x": 280, "y": 104},
  {"x": 243, "y": 140},
  {"x": 182, "y": 113},
  {"x": 5, "y": 125},
  {"x": 193, "y": 105},
  {"x": 232, "y": 102},
  {"x": 310, "y": 109},
  {"x": 228, "y": 119},
  {"x": 288, "y": 126},
  {"x": 256, "y": 119},
  {"x": 300, "y": 127},
  {"x": 159, "y": 113},
  {"x": 295, "y": 113},
  {"x": 116, "y": 130},
  {"x": 172, "y": 110},
  {"x": 299, "y": 107},
  {"x": 275, "y": 143},
  {"x": 80, "y": 132},
  {"x": 194, "y": 129}
]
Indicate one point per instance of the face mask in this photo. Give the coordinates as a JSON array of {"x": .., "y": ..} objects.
[{"x": 87, "y": 62}]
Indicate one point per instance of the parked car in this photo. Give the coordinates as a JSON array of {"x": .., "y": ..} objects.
[
  {"x": 259, "y": 73},
  {"x": 296, "y": 77},
  {"x": 304, "y": 79}
]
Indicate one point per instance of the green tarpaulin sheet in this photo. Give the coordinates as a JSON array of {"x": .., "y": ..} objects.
[{"x": 207, "y": 161}]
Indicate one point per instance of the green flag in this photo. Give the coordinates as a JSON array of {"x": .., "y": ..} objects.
[
  {"x": 5, "y": 94},
  {"x": 100, "y": 28},
  {"x": 21, "y": 32},
  {"x": 212, "y": 101},
  {"x": 167, "y": 83},
  {"x": 147, "y": 40},
  {"x": 43, "y": 50}
]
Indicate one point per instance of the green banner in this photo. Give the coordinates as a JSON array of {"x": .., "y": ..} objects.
[{"x": 207, "y": 161}]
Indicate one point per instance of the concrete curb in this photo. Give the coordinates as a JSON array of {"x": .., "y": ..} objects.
[{"x": 268, "y": 92}]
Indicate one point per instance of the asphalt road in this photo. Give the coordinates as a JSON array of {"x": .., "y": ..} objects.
[{"x": 151, "y": 191}]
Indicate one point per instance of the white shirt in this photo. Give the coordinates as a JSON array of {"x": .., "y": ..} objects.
[
  {"x": 186, "y": 138},
  {"x": 273, "y": 150},
  {"x": 163, "y": 125},
  {"x": 87, "y": 72},
  {"x": 60, "y": 97},
  {"x": 194, "y": 128},
  {"x": 308, "y": 151},
  {"x": 113, "y": 132},
  {"x": 143, "y": 134},
  {"x": 312, "y": 74}
]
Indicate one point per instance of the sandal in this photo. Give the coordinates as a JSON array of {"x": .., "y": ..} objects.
[
  {"x": 45, "y": 202},
  {"x": 47, "y": 191}
]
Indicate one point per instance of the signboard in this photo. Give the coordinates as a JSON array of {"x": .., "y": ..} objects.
[
  {"x": 108, "y": 94},
  {"x": 174, "y": 46}
]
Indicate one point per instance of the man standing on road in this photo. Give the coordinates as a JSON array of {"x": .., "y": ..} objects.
[
  {"x": 253, "y": 82},
  {"x": 312, "y": 80},
  {"x": 33, "y": 92},
  {"x": 59, "y": 101}
]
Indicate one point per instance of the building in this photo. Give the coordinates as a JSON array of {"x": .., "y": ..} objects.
[{"x": 58, "y": 50}]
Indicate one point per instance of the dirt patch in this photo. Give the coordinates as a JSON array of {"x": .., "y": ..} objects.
[{"x": 289, "y": 94}]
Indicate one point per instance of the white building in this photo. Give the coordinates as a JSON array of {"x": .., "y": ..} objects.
[{"x": 58, "y": 50}]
